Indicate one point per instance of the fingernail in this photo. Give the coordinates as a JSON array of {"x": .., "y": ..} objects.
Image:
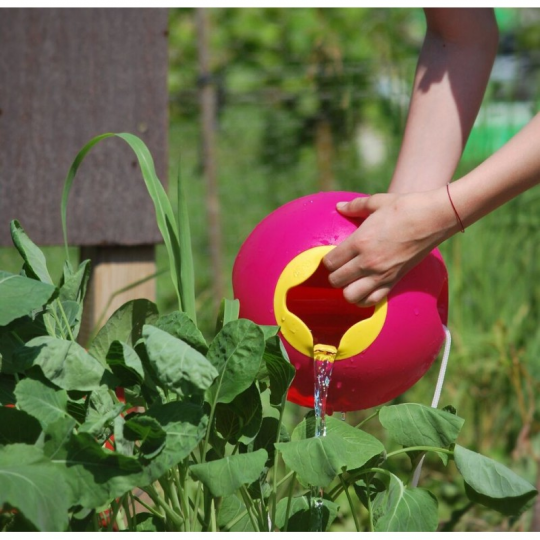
[{"x": 341, "y": 205}]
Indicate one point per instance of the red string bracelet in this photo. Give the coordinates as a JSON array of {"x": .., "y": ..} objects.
[{"x": 455, "y": 211}]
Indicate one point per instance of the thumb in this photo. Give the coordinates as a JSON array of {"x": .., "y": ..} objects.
[{"x": 359, "y": 207}]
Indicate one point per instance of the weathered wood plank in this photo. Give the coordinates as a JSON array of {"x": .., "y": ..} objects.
[{"x": 67, "y": 75}]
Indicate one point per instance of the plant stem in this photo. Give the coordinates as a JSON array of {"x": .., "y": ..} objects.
[
  {"x": 367, "y": 419},
  {"x": 276, "y": 459},
  {"x": 289, "y": 501},
  {"x": 213, "y": 522},
  {"x": 151, "y": 509},
  {"x": 249, "y": 505},
  {"x": 169, "y": 512},
  {"x": 57, "y": 320},
  {"x": 420, "y": 448},
  {"x": 369, "y": 508},
  {"x": 181, "y": 487},
  {"x": 351, "y": 506},
  {"x": 66, "y": 320}
]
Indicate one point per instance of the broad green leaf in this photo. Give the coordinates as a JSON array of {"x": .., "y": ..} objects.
[
  {"x": 304, "y": 517},
  {"x": 36, "y": 265},
  {"x": 224, "y": 476},
  {"x": 367, "y": 491},
  {"x": 125, "y": 364},
  {"x": 65, "y": 363},
  {"x": 74, "y": 284},
  {"x": 412, "y": 424},
  {"x": 178, "y": 366},
  {"x": 179, "y": 325},
  {"x": 228, "y": 312},
  {"x": 185, "y": 425},
  {"x": 42, "y": 401},
  {"x": 63, "y": 317},
  {"x": 240, "y": 420},
  {"x": 268, "y": 436},
  {"x": 269, "y": 331},
  {"x": 148, "y": 431},
  {"x": 318, "y": 460},
  {"x": 21, "y": 296},
  {"x": 280, "y": 371},
  {"x": 7, "y": 391},
  {"x": 18, "y": 427},
  {"x": 232, "y": 515},
  {"x": 400, "y": 509},
  {"x": 14, "y": 335},
  {"x": 32, "y": 484},
  {"x": 95, "y": 475},
  {"x": 147, "y": 522},
  {"x": 492, "y": 484},
  {"x": 236, "y": 352},
  {"x": 124, "y": 325},
  {"x": 98, "y": 424}
]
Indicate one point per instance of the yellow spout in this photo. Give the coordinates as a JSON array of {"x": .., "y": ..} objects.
[{"x": 324, "y": 353}]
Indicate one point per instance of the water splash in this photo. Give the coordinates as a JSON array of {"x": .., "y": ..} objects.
[{"x": 323, "y": 364}]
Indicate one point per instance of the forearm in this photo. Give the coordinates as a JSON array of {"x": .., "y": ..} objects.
[
  {"x": 512, "y": 170},
  {"x": 450, "y": 81}
]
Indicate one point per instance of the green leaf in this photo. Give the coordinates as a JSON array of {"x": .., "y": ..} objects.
[
  {"x": 233, "y": 511},
  {"x": 185, "y": 425},
  {"x": 147, "y": 522},
  {"x": 302, "y": 515},
  {"x": 124, "y": 325},
  {"x": 31, "y": 483},
  {"x": 125, "y": 364},
  {"x": 367, "y": 491},
  {"x": 65, "y": 363},
  {"x": 178, "y": 366},
  {"x": 492, "y": 484},
  {"x": 74, "y": 284},
  {"x": 22, "y": 296},
  {"x": 36, "y": 265},
  {"x": 318, "y": 460},
  {"x": 228, "y": 312},
  {"x": 165, "y": 217},
  {"x": 7, "y": 391},
  {"x": 18, "y": 427},
  {"x": 268, "y": 436},
  {"x": 148, "y": 431},
  {"x": 42, "y": 401},
  {"x": 95, "y": 475},
  {"x": 398, "y": 509},
  {"x": 240, "y": 420},
  {"x": 13, "y": 335},
  {"x": 412, "y": 424},
  {"x": 236, "y": 352},
  {"x": 179, "y": 325},
  {"x": 224, "y": 476},
  {"x": 280, "y": 371}
]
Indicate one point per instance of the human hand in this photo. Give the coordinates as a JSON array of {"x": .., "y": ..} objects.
[{"x": 399, "y": 230}]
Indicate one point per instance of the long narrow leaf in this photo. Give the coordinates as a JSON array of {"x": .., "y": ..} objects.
[
  {"x": 165, "y": 217},
  {"x": 186, "y": 254}
]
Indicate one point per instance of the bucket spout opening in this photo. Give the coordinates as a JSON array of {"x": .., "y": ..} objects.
[{"x": 323, "y": 309}]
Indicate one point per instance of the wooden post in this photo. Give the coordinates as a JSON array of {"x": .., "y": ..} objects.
[
  {"x": 67, "y": 75},
  {"x": 208, "y": 112}
]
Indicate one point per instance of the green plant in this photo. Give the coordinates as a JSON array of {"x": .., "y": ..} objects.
[{"x": 155, "y": 429}]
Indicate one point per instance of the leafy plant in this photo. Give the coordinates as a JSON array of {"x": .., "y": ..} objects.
[{"x": 154, "y": 417}]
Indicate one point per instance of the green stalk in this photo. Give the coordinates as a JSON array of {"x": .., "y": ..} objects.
[
  {"x": 169, "y": 512},
  {"x": 57, "y": 320},
  {"x": 367, "y": 419},
  {"x": 213, "y": 521},
  {"x": 349, "y": 500},
  {"x": 151, "y": 509},
  {"x": 289, "y": 501},
  {"x": 181, "y": 487},
  {"x": 370, "y": 510},
  {"x": 276, "y": 459},
  {"x": 420, "y": 448},
  {"x": 66, "y": 320},
  {"x": 249, "y": 505}
]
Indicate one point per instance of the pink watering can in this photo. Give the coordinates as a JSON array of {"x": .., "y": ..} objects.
[{"x": 279, "y": 279}]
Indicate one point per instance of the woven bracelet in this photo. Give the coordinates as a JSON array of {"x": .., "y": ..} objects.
[{"x": 455, "y": 211}]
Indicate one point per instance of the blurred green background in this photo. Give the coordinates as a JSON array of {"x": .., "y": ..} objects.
[{"x": 316, "y": 99}]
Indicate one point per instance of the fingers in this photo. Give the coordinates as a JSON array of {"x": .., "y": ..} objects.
[
  {"x": 362, "y": 206},
  {"x": 365, "y": 292}
]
